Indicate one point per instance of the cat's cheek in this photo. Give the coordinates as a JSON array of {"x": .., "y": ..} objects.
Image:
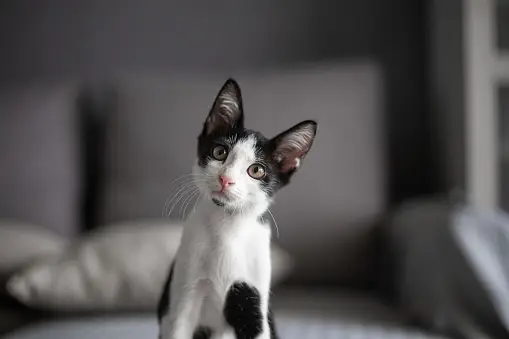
[
  {"x": 258, "y": 197},
  {"x": 213, "y": 168}
]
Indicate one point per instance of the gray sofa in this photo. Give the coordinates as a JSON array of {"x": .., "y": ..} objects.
[{"x": 79, "y": 156}]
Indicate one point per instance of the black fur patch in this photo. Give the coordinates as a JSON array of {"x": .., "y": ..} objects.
[
  {"x": 218, "y": 203},
  {"x": 164, "y": 301},
  {"x": 202, "y": 332},
  {"x": 242, "y": 310}
]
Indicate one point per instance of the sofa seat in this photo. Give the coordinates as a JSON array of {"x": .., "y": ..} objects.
[{"x": 300, "y": 313}]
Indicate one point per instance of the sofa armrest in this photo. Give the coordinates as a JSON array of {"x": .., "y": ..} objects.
[
  {"x": 430, "y": 277},
  {"x": 400, "y": 239}
]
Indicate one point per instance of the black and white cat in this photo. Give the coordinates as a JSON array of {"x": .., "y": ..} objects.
[{"x": 218, "y": 286}]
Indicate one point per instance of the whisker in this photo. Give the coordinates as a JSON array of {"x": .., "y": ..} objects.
[
  {"x": 190, "y": 176},
  {"x": 275, "y": 223},
  {"x": 186, "y": 201},
  {"x": 196, "y": 202},
  {"x": 171, "y": 196},
  {"x": 189, "y": 193},
  {"x": 193, "y": 175},
  {"x": 180, "y": 196},
  {"x": 183, "y": 181},
  {"x": 179, "y": 187},
  {"x": 185, "y": 198},
  {"x": 237, "y": 193},
  {"x": 197, "y": 193}
]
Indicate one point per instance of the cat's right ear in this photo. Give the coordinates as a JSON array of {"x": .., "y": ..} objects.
[
  {"x": 227, "y": 111},
  {"x": 291, "y": 146}
]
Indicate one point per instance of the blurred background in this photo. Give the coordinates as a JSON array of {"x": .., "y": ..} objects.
[{"x": 394, "y": 226}]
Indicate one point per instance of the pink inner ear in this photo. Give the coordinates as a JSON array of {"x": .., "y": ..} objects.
[
  {"x": 291, "y": 160},
  {"x": 288, "y": 165}
]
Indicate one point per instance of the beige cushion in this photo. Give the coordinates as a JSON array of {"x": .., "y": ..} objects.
[
  {"x": 119, "y": 267},
  {"x": 22, "y": 244},
  {"x": 325, "y": 216}
]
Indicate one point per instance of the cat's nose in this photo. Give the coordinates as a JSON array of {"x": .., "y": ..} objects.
[{"x": 225, "y": 181}]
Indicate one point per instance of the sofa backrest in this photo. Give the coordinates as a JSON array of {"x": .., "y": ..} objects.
[
  {"x": 326, "y": 214},
  {"x": 40, "y": 163}
]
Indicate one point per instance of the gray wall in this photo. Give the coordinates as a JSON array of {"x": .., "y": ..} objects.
[{"x": 88, "y": 39}]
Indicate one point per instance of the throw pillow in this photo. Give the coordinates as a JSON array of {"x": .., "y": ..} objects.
[
  {"x": 23, "y": 244},
  {"x": 118, "y": 267}
]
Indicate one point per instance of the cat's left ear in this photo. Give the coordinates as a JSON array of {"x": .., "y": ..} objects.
[
  {"x": 227, "y": 111},
  {"x": 291, "y": 146}
]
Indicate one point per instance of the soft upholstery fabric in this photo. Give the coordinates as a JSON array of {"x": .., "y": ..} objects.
[
  {"x": 119, "y": 267},
  {"x": 302, "y": 314},
  {"x": 483, "y": 238},
  {"x": 22, "y": 244},
  {"x": 39, "y": 177},
  {"x": 436, "y": 280},
  {"x": 326, "y": 214}
]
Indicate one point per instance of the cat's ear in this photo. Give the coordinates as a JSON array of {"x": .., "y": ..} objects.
[
  {"x": 291, "y": 146},
  {"x": 226, "y": 112}
]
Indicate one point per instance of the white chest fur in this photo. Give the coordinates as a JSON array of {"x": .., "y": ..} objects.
[
  {"x": 222, "y": 249},
  {"x": 217, "y": 250}
]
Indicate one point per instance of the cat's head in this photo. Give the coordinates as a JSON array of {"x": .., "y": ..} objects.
[{"x": 241, "y": 169}]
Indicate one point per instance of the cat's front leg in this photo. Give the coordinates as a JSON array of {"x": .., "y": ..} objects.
[
  {"x": 244, "y": 311},
  {"x": 177, "y": 325},
  {"x": 181, "y": 321}
]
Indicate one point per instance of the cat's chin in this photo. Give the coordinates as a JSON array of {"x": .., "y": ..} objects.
[
  {"x": 220, "y": 199},
  {"x": 221, "y": 196},
  {"x": 223, "y": 201},
  {"x": 228, "y": 206}
]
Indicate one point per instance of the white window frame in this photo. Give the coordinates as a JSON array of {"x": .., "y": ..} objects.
[{"x": 485, "y": 69}]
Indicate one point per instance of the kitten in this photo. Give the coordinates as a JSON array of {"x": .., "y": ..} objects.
[{"x": 218, "y": 286}]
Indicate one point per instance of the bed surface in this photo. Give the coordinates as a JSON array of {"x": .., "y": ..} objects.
[{"x": 299, "y": 314}]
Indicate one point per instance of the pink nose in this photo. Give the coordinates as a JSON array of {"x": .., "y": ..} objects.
[{"x": 225, "y": 181}]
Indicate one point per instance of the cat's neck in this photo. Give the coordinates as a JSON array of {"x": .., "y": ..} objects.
[{"x": 208, "y": 210}]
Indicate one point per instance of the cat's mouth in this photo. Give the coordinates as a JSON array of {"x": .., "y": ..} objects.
[
  {"x": 221, "y": 198},
  {"x": 221, "y": 195},
  {"x": 218, "y": 202}
]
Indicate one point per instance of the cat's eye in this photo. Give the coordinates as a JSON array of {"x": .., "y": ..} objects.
[
  {"x": 256, "y": 171},
  {"x": 220, "y": 152}
]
